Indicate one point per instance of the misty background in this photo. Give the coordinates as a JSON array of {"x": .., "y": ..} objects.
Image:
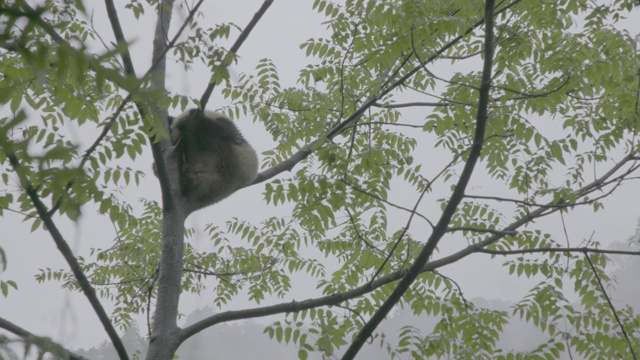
[{"x": 48, "y": 310}]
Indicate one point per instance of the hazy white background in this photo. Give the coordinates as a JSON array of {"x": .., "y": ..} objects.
[{"x": 47, "y": 310}]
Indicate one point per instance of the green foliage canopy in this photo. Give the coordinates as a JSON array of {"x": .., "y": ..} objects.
[{"x": 387, "y": 106}]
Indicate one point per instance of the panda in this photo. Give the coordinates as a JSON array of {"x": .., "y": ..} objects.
[{"x": 214, "y": 159}]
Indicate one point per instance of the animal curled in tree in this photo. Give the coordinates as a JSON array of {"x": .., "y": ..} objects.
[{"x": 214, "y": 159}]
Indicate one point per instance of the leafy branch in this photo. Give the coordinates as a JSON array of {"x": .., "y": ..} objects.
[
  {"x": 480, "y": 247},
  {"x": 613, "y": 309},
  {"x": 66, "y": 252},
  {"x": 457, "y": 196}
]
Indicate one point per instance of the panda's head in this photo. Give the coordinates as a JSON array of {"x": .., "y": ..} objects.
[
  {"x": 200, "y": 125},
  {"x": 179, "y": 125}
]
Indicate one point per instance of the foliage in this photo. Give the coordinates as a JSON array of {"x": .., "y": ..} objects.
[{"x": 563, "y": 103}]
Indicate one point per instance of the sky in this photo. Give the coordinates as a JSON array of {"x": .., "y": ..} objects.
[{"x": 67, "y": 317}]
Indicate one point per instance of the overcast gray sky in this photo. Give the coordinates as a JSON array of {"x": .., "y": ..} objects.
[{"x": 47, "y": 310}]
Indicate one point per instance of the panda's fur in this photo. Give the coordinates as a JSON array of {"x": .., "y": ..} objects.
[{"x": 214, "y": 159}]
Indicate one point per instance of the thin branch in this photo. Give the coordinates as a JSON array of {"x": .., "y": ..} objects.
[
  {"x": 28, "y": 216},
  {"x": 50, "y": 30},
  {"x": 451, "y": 102},
  {"x": 354, "y": 36},
  {"x": 525, "y": 96},
  {"x": 540, "y": 212},
  {"x": 209, "y": 273},
  {"x": 354, "y": 225},
  {"x": 386, "y": 201},
  {"x": 118, "y": 283},
  {"x": 388, "y": 124},
  {"x": 354, "y": 312},
  {"x": 560, "y": 205},
  {"x": 557, "y": 249},
  {"x": 158, "y": 58},
  {"x": 613, "y": 309},
  {"x": 410, "y": 104},
  {"x": 404, "y": 231},
  {"x": 34, "y": 14},
  {"x": 464, "y": 300},
  {"x": 480, "y": 230},
  {"x": 226, "y": 61},
  {"x": 15, "y": 329}
]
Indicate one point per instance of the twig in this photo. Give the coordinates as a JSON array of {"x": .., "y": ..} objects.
[
  {"x": 226, "y": 61},
  {"x": 410, "y": 104},
  {"x": 401, "y": 236},
  {"x": 386, "y": 201},
  {"x": 480, "y": 230}
]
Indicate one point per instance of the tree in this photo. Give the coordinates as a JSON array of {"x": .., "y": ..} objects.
[{"x": 539, "y": 99}]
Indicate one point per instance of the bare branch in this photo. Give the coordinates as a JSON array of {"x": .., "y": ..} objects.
[
  {"x": 480, "y": 230},
  {"x": 466, "y": 303},
  {"x": 120, "y": 40},
  {"x": 525, "y": 96},
  {"x": 557, "y": 249},
  {"x": 354, "y": 225},
  {"x": 404, "y": 231},
  {"x": 410, "y": 104},
  {"x": 34, "y": 15}
]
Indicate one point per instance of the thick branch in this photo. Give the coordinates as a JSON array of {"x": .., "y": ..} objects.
[
  {"x": 163, "y": 340},
  {"x": 120, "y": 40}
]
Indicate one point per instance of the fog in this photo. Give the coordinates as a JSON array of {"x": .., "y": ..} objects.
[{"x": 48, "y": 310}]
